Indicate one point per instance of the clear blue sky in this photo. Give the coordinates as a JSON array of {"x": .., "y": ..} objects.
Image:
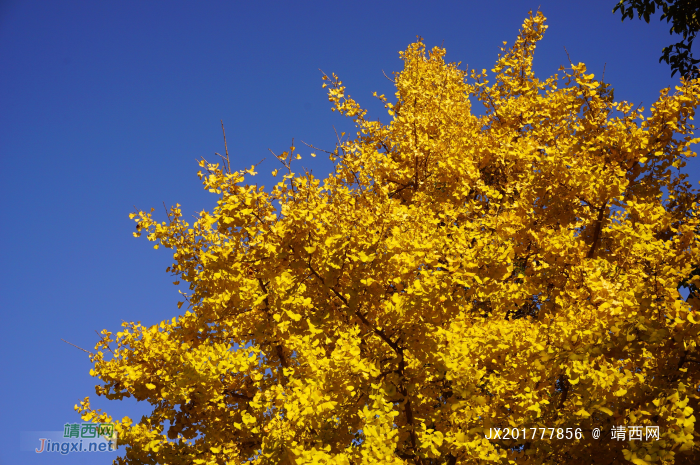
[{"x": 106, "y": 105}]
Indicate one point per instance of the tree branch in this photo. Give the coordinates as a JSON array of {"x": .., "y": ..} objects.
[{"x": 596, "y": 231}]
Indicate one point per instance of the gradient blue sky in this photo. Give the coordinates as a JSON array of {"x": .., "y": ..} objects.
[{"x": 106, "y": 105}]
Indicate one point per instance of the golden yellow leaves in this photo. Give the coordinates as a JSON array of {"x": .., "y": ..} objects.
[{"x": 454, "y": 273}]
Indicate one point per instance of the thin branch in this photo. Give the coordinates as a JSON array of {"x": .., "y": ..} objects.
[
  {"x": 588, "y": 204},
  {"x": 362, "y": 318},
  {"x": 596, "y": 231},
  {"x": 602, "y": 79},
  {"x": 102, "y": 339},
  {"x": 236, "y": 395},
  {"x": 228, "y": 162},
  {"x": 337, "y": 137},
  {"x": 316, "y": 148},
  {"x": 86, "y": 351},
  {"x": 408, "y": 409},
  {"x": 567, "y": 56},
  {"x": 390, "y": 80},
  {"x": 278, "y": 347},
  {"x": 223, "y": 159}
]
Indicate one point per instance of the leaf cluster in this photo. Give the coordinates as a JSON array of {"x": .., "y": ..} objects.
[{"x": 684, "y": 16}]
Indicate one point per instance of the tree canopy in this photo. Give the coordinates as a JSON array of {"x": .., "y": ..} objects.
[
  {"x": 684, "y": 16},
  {"x": 454, "y": 273}
]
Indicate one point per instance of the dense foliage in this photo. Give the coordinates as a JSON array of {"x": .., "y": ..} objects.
[
  {"x": 454, "y": 273},
  {"x": 684, "y": 17}
]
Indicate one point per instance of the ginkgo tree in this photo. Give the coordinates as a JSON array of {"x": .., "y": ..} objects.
[{"x": 455, "y": 273}]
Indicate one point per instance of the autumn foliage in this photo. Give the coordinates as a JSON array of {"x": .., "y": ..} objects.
[{"x": 454, "y": 273}]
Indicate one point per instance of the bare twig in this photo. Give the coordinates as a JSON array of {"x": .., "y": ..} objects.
[
  {"x": 337, "y": 136},
  {"x": 567, "y": 56},
  {"x": 390, "y": 80},
  {"x": 166, "y": 212},
  {"x": 316, "y": 148},
  {"x": 223, "y": 158},
  {"x": 602, "y": 79},
  {"x": 86, "y": 351},
  {"x": 228, "y": 162}
]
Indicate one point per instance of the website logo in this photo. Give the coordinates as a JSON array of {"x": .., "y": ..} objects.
[{"x": 75, "y": 437}]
